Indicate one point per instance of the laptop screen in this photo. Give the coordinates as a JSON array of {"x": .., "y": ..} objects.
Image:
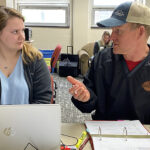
[{"x": 30, "y": 127}]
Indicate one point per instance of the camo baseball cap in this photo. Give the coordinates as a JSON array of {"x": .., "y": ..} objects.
[{"x": 127, "y": 12}]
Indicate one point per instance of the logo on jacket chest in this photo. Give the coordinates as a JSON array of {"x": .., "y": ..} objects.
[{"x": 146, "y": 86}]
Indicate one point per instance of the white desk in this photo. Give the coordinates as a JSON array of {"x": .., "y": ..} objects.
[{"x": 75, "y": 129}]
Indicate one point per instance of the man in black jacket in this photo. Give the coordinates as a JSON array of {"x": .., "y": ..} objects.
[{"x": 117, "y": 86}]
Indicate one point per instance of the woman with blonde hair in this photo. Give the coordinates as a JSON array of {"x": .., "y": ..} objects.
[
  {"x": 103, "y": 43},
  {"x": 24, "y": 76}
]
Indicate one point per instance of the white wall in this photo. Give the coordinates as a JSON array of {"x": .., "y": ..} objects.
[
  {"x": 80, "y": 23},
  {"x": 48, "y": 38},
  {"x": 2, "y": 2},
  {"x": 78, "y": 34},
  {"x": 148, "y": 3}
]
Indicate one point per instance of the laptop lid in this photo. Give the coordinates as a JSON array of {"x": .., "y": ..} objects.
[{"x": 30, "y": 127}]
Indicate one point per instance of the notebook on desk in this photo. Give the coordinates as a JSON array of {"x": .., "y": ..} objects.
[
  {"x": 30, "y": 127},
  {"x": 118, "y": 135}
]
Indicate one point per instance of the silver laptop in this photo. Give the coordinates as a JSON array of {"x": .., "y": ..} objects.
[{"x": 30, "y": 127}]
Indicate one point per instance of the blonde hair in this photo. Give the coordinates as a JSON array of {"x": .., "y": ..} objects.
[
  {"x": 7, "y": 13},
  {"x": 102, "y": 42},
  {"x": 106, "y": 33},
  {"x": 27, "y": 50},
  {"x": 31, "y": 52}
]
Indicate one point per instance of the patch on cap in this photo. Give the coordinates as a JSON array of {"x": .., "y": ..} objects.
[
  {"x": 119, "y": 13},
  {"x": 146, "y": 86}
]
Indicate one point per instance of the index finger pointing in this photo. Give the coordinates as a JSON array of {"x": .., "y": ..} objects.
[{"x": 72, "y": 80}]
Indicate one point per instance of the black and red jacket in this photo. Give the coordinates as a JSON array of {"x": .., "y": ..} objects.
[{"x": 115, "y": 92}]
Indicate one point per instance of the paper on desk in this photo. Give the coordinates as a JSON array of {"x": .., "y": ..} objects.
[
  {"x": 107, "y": 143},
  {"x": 116, "y": 127}
]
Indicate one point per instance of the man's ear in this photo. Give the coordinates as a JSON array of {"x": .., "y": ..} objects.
[{"x": 142, "y": 31}]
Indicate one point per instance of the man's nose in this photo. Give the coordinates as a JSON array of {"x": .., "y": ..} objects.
[{"x": 112, "y": 36}]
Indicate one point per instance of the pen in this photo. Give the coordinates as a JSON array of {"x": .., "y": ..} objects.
[
  {"x": 81, "y": 139},
  {"x": 66, "y": 148},
  {"x": 90, "y": 138},
  {"x": 84, "y": 143}
]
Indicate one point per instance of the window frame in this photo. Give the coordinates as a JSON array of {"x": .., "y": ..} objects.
[
  {"x": 110, "y": 8},
  {"x": 46, "y": 6},
  {"x": 103, "y": 7}
]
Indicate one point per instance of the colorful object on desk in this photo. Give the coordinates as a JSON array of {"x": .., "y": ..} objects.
[
  {"x": 64, "y": 148},
  {"x": 67, "y": 148},
  {"x": 81, "y": 139}
]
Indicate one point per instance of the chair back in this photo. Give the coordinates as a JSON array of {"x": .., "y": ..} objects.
[
  {"x": 55, "y": 57},
  {"x": 53, "y": 90},
  {"x": 89, "y": 48}
]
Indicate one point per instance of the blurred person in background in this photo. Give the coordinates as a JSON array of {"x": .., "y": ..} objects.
[{"x": 105, "y": 42}]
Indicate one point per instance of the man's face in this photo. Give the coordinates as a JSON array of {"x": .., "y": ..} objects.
[{"x": 124, "y": 39}]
